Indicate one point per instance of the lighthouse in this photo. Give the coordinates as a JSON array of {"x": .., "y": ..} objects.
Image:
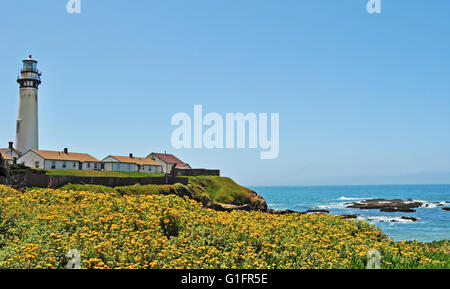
[{"x": 27, "y": 136}]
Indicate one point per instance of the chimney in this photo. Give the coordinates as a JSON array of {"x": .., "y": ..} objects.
[
  {"x": 10, "y": 145},
  {"x": 66, "y": 151},
  {"x": 131, "y": 155}
]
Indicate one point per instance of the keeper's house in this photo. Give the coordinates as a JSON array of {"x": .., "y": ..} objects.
[
  {"x": 55, "y": 160},
  {"x": 131, "y": 164},
  {"x": 10, "y": 155},
  {"x": 168, "y": 162}
]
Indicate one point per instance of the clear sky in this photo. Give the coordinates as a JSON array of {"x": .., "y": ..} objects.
[{"x": 363, "y": 98}]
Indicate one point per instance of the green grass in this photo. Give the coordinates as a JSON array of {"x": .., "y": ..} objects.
[
  {"x": 136, "y": 190},
  {"x": 222, "y": 190},
  {"x": 438, "y": 250},
  {"x": 86, "y": 188},
  {"x": 204, "y": 189},
  {"x": 78, "y": 173},
  {"x": 124, "y": 190}
]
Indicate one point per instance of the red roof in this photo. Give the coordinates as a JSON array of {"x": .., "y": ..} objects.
[
  {"x": 170, "y": 159},
  {"x": 134, "y": 160},
  {"x": 5, "y": 155}
]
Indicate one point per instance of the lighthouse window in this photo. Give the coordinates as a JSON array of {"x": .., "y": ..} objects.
[{"x": 27, "y": 66}]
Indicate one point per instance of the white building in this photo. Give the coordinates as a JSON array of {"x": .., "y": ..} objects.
[
  {"x": 10, "y": 154},
  {"x": 131, "y": 164},
  {"x": 168, "y": 162},
  {"x": 55, "y": 160}
]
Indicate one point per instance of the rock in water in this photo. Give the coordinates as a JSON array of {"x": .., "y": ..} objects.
[
  {"x": 317, "y": 212},
  {"x": 396, "y": 205},
  {"x": 446, "y": 209},
  {"x": 404, "y": 210},
  {"x": 410, "y": 218},
  {"x": 348, "y": 216},
  {"x": 285, "y": 212}
]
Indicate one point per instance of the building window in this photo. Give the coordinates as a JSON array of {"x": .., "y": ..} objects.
[
  {"x": 149, "y": 169},
  {"x": 74, "y": 164},
  {"x": 64, "y": 164},
  {"x": 95, "y": 166},
  {"x": 89, "y": 165},
  {"x": 36, "y": 164},
  {"x": 53, "y": 165}
]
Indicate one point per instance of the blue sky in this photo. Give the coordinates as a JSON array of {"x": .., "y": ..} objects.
[{"x": 363, "y": 99}]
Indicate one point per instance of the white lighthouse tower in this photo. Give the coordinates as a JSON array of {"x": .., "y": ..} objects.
[{"x": 27, "y": 136}]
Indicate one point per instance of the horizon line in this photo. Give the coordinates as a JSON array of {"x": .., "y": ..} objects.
[{"x": 368, "y": 185}]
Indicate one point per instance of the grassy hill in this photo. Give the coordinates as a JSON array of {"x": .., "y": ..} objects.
[
  {"x": 223, "y": 190},
  {"x": 207, "y": 190},
  {"x": 133, "y": 230}
]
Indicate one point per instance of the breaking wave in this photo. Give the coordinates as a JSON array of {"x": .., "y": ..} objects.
[
  {"x": 351, "y": 199},
  {"x": 385, "y": 219}
]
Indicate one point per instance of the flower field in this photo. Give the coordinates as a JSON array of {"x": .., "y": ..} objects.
[{"x": 39, "y": 227}]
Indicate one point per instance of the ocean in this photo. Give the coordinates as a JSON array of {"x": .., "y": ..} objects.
[{"x": 433, "y": 224}]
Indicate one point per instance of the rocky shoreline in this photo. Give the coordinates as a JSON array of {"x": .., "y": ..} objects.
[
  {"x": 261, "y": 206},
  {"x": 383, "y": 205}
]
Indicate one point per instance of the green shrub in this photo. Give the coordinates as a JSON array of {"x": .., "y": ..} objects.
[
  {"x": 146, "y": 189},
  {"x": 169, "y": 224},
  {"x": 20, "y": 169},
  {"x": 88, "y": 188}
]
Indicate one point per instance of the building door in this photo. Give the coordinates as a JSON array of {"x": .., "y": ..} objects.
[{"x": 80, "y": 166}]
